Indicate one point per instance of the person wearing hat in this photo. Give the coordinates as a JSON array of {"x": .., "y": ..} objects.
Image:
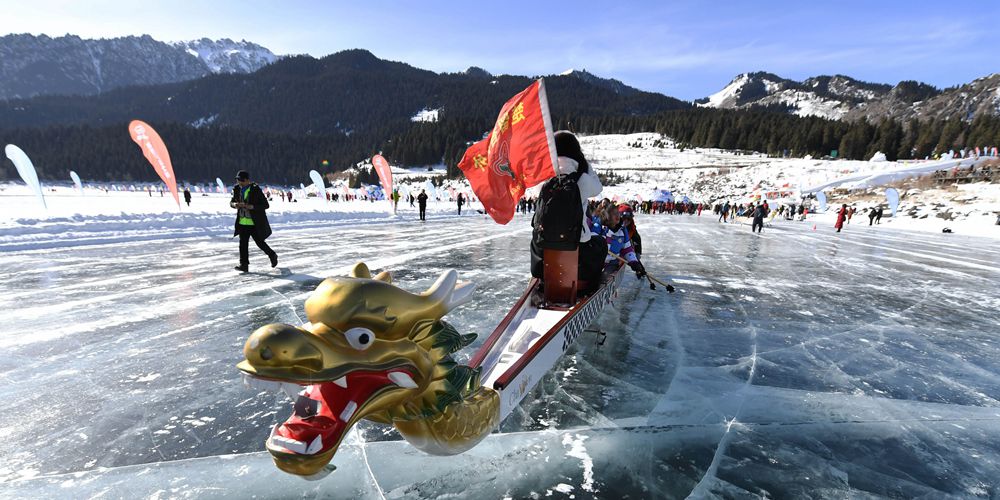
[
  {"x": 251, "y": 221},
  {"x": 628, "y": 221}
]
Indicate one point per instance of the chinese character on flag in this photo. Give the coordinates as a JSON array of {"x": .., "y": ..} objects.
[{"x": 517, "y": 154}]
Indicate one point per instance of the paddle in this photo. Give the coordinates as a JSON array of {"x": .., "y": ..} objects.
[{"x": 649, "y": 278}]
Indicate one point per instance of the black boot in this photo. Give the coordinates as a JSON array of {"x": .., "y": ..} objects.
[
  {"x": 274, "y": 260},
  {"x": 241, "y": 268}
]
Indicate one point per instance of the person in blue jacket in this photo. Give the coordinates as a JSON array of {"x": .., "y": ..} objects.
[{"x": 619, "y": 244}]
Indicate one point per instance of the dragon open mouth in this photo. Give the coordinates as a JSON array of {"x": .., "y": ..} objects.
[{"x": 323, "y": 412}]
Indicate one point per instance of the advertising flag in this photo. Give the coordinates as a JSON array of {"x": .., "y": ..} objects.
[
  {"x": 318, "y": 182},
  {"x": 384, "y": 172},
  {"x": 517, "y": 154},
  {"x": 892, "y": 198},
  {"x": 76, "y": 181},
  {"x": 156, "y": 153},
  {"x": 26, "y": 170}
]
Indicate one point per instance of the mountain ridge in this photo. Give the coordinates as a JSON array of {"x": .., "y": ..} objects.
[
  {"x": 841, "y": 97},
  {"x": 70, "y": 65}
]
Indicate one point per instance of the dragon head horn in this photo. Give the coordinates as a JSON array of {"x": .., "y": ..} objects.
[
  {"x": 448, "y": 292},
  {"x": 360, "y": 270}
]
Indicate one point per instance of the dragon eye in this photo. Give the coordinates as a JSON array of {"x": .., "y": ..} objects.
[{"x": 359, "y": 338}]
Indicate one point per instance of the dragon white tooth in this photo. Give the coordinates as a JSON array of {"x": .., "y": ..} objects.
[
  {"x": 246, "y": 380},
  {"x": 342, "y": 381},
  {"x": 290, "y": 444},
  {"x": 274, "y": 430},
  {"x": 402, "y": 379},
  {"x": 348, "y": 412},
  {"x": 315, "y": 446}
]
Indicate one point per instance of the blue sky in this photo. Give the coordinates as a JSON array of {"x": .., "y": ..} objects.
[{"x": 684, "y": 49}]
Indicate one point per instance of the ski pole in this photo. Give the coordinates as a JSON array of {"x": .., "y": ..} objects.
[{"x": 651, "y": 278}]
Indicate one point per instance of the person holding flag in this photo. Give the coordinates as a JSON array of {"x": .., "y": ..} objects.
[
  {"x": 517, "y": 154},
  {"x": 572, "y": 164},
  {"x": 521, "y": 152},
  {"x": 251, "y": 220}
]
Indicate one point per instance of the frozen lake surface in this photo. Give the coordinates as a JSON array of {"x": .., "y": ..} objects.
[{"x": 794, "y": 363}]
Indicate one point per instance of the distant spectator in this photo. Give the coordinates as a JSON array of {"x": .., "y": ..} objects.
[{"x": 841, "y": 218}]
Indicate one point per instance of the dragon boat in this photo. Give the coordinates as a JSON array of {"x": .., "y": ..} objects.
[{"x": 374, "y": 351}]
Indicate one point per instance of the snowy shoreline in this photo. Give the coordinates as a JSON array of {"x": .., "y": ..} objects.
[
  {"x": 101, "y": 218},
  {"x": 642, "y": 164}
]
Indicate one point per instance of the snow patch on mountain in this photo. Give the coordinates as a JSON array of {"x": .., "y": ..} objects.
[
  {"x": 227, "y": 56},
  {"x": 808, "y": 104},
  {"x": 426, "y": 115},
  {"x": 728, "y": 94},
  {"x": 204, "y": 121}
]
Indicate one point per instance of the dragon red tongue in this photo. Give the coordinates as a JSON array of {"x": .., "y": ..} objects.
[{"x": 325, "y": 411}]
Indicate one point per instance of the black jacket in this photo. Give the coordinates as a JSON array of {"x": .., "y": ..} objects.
[
  {"x": 256, "y": 198},
  {"x": 422, "y": 199}
]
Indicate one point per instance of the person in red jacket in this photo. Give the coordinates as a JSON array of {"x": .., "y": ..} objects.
[{"x": 841, "y": 217}]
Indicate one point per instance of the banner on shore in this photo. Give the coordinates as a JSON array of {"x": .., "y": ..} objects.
[
  {"x": 318, "y": 182},
  {"x": 821, "y": 199},
  {"x": 384, "y": 173},
  {"x": 26, "y": 170},
  {"x": 76, "y": 181},
  {"x": 892, "y": 198},
  {"x": 155, "y": 151}
]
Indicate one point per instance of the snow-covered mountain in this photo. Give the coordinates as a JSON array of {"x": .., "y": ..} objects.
[
  {"x": 69, "y": 65},
  {"x": 824, "y": 96},
  {"x": 841, "y": 97}
]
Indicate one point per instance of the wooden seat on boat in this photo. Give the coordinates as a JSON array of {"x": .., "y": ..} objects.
[{"x": 561, "y": 279}]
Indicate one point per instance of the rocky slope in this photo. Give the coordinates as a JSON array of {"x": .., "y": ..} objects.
[
  {"x": 69, "y": 65},
  {"x": 841, "y": 97}
]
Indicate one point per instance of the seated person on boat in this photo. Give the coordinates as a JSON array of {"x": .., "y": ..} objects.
[
  {"x": 590, "y": 248},
  {"x": 626, "y": 212},
  {"x": 619, "y": 244}
]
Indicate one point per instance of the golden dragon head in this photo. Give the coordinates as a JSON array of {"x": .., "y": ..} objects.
[{"x": 370, "y": 350}]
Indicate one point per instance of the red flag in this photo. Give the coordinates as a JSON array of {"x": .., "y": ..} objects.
[
  {"x": 156, "y": 152},
  {"x": 517, "y": 154},
  {"x": 384, "y": 174}
]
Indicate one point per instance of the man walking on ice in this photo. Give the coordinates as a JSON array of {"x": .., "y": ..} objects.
[{"x": 251, "y": 221}]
